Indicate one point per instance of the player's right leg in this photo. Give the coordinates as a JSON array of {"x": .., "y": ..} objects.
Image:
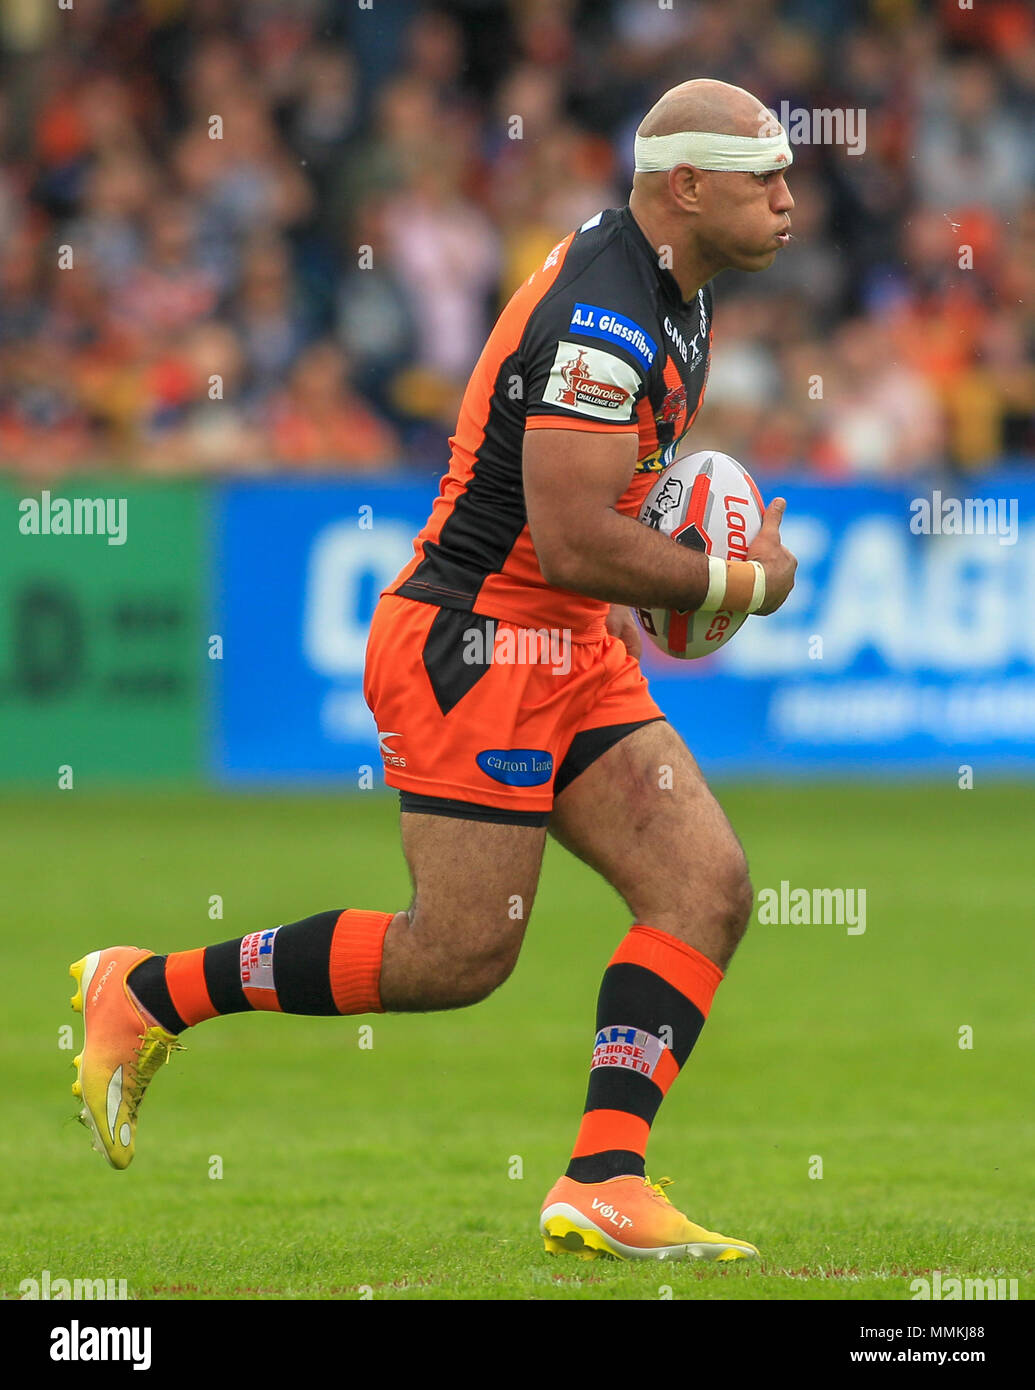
[
  {"x": 640, "y": 813},
  {"x": 451, "y": 948}
]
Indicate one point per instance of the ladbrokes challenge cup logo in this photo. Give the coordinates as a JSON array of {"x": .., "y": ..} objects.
[
  {"x": 580, "y": 388},
  {"x": 590, "y": 381}
]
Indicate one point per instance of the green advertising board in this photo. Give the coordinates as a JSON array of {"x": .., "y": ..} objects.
[{"x": 103, "y": 647}]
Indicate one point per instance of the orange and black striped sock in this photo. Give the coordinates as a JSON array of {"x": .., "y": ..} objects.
[
  {"x": 327, "y": 964},
  {"x": 653, "y": 1002}
]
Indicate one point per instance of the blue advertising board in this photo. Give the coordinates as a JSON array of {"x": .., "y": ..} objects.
[{"x": 907, "y": 647}]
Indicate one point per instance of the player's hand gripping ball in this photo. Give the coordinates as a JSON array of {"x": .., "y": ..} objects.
[{"x": 709, "y": 502}]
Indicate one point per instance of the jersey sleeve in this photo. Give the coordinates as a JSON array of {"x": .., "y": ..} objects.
[{"x": 586, "y": 364}]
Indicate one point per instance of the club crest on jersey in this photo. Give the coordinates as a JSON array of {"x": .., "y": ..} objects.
[
  {"x": 672, "y": 406},
  {"x": 591, "y": 382}
]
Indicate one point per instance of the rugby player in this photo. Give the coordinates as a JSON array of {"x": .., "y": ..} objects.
[{"x": 589, "y": 380}]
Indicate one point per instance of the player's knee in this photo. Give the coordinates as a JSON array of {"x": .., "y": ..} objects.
[
  {"x": 740, "y": 897},
  {"x": 475, "y": 976},
  {"x": 729, "y": 897},
  {"x": 449, "y": 961},
  {"x": 459, "y": 966},
  {"x": 719, "y": 902}
]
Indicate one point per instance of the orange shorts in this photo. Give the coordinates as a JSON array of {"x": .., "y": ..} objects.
[{"x": 482, "y": 718}]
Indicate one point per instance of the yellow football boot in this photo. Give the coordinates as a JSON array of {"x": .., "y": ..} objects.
[
  {"x": 630, "y": 1219},
  {"x": 123, "y": 1047}
]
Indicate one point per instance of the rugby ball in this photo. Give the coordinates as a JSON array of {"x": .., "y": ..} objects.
[{"x": 705, "y": 501}]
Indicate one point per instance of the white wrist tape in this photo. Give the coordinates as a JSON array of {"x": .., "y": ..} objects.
[
  {"x": 758, "y": 592},
  {"x": 719, "y": 582},
  {"x": 713, "y": 599}
]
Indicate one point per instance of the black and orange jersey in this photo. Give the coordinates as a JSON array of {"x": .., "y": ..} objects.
[{"x": 598, "y": 339}]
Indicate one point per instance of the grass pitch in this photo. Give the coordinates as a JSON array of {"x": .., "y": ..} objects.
[{"x": 415, "y": 1168}]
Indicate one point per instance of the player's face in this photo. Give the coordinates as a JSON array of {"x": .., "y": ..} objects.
[{"x": 746, "y": 219}]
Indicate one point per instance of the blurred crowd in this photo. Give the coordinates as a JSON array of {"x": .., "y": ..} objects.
[{"x": 243, "y": 237}]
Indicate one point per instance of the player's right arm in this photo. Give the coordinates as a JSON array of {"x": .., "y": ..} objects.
[{"x": 572, "y": 481}]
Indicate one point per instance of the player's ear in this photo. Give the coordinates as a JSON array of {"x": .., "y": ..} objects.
[{"x": 685, "y": 186}]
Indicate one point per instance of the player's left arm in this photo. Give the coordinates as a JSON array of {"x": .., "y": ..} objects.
[{"x": 573, "y": 480}]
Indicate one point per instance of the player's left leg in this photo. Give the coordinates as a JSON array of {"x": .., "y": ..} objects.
[
  {"x": 642, "y": 815},
  {"x": 457, "y": 942},
  {"x": 135, "y": 1004}
]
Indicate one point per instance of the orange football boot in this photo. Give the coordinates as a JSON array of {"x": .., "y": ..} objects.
[
  {"x": 123, "y": 1047},
  {"x": 628, "y": 1218}
]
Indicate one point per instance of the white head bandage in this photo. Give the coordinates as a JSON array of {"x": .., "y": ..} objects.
[{"x": 751, "y": 154}]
